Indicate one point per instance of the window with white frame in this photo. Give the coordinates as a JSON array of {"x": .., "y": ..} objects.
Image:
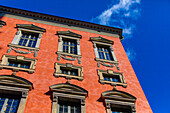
[
  {"x": 104, "y": 52},
  {"x": 69, "y": 46},
  {"x": 27, "y": 37}
]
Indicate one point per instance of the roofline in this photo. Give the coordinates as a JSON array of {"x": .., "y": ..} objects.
[{"x": 63, "y": 20}]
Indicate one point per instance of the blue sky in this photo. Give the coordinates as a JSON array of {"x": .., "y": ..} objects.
[{"x": 146, "y": 31}]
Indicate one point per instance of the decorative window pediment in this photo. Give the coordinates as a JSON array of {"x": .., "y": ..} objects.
[
  {"x": 15, "y": 81},
  {"x": 27, "y": 37},
  {"x": 104, "y": 52},
  {"x": 115, "y": 101},
  {"x": 68, "y": 33},
  {"x": 13, "y": 89},
  {"x": 68, "y": 95},
  {"x": 101, "y": 39},
  {"x": 69, "y": 46},
  {"x": 18, "y": 63},
  {"x": 2, "y": 23}
]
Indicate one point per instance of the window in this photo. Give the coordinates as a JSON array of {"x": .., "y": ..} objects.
[
  {"x": 119, "y": 102},
  {"x": 27, "y": 37},
  {"x": 68, "y": 71},
  {"x": 69, "y": 46},
  {"x": 68, "y": 98},
  {"x": 18, "y": 63},
  {"x": 13, "y": 93},
  {"x": 67, "y": 106},
  {"x": 104, "y": 52},
  {"x": 9, "y": 104},
  {"x": 111, "y": 77}
]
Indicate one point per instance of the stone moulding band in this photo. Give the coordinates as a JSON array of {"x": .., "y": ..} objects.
[
  {"x": 66, "y": 58},
  {"x": 22, "y": 52},
  {"x": 108, "y": 65}
]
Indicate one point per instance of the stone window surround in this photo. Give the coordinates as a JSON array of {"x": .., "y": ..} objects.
[
  {"x": 102, "y": 61},
  {"x": 68, "y": 65},
  {"x": 5, "y": 58},
  {"x": 58, "y": 93},
  {"x": 111, "y": 72},
  {"x": 18, "y": 86},
  {"x": 60, "y": 52},
  {"x": 14, "y": 44},
  {"x": 116, "y": 99}
]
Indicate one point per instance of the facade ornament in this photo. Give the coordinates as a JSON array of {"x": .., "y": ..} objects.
[
  {"x": 133, "y": 108},
  {"x": 55, "y": 98},
  {"x": 111, "y": 48},
  {"x": 79, "y": 60},
  {"x": 60, "y": 39},
  {"x": 98, "y": 63},
  {"x": 83, "y": 102},
  {"x": 24, "y": 94},
  {"x": 58, "y": 58},
  {"x": 21, "y": 52},
  {"x": 107, "y": 65},
  {"x": 66, "y": 58},
  {"x": 78, "y": 42},
  {"x": 94, "y": 45}
]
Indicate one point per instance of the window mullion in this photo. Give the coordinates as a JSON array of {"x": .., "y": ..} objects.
[
  {"x": 104, "y": 53},
  {"x": 4, "y": 105},
  {"x": 29, "y": 37},
  {"x": 69, "y": 47}
]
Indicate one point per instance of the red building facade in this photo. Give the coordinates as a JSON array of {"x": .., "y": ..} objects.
[{"x": 59, "y": 65}]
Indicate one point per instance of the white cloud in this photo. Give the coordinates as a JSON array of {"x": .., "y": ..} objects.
[
  {"x": 131, "y": 54},
  {"x": 122, "y": 15}
]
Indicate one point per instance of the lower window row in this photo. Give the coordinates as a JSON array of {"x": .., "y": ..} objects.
[{"x": 66, "y": 97}]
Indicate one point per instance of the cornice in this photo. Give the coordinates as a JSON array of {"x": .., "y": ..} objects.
[{"x": 62, "y": 20}]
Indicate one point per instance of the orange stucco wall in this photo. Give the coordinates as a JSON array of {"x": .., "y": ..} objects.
[{"x": 38, "y": 99}]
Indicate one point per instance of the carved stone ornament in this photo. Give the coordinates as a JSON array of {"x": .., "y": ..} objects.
[
  {"x": 67, "y": 58},
  {"x": 24, "y": 94},
  {"x": 133, "y": 108},
  {"x": 108, "y": 105},
  {"x": 83, "y": 102},
  {"x": 21, "y": 52},
  {"x": 55, "y": 98},
  {"x": 108, "y": 65}
]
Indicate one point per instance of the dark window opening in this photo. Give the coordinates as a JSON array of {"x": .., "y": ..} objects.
[
  {"x": 69, "y": 71},
  {"x": 70, "y": 46},
  {"x": 21, "y": 64}
]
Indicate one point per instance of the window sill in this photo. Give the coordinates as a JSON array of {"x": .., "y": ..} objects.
[
  {"x": 68, "y": 76},
  {"x": 23, "y": 47},
  {"x": 108, "y": 61},
  {"x": 16, "y": 68},
  {"x": 113, "y": 83}
]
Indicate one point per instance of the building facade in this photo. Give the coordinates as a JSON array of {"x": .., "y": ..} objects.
[{"x": 51, "y": 64}]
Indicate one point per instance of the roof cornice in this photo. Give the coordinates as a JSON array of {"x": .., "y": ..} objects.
[{"x": 62, "y": 20}]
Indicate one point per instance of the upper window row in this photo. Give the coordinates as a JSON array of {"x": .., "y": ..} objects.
[{"x": 29, "y": 36}]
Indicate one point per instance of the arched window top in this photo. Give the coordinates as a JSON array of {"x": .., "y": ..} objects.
[
  {"x": 118, "y": 95},
  {"x": 69, "y": 88},
  {"x": 10, "y": 80}
]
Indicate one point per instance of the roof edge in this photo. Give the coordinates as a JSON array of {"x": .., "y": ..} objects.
[{"x": 63, "y": 20}]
